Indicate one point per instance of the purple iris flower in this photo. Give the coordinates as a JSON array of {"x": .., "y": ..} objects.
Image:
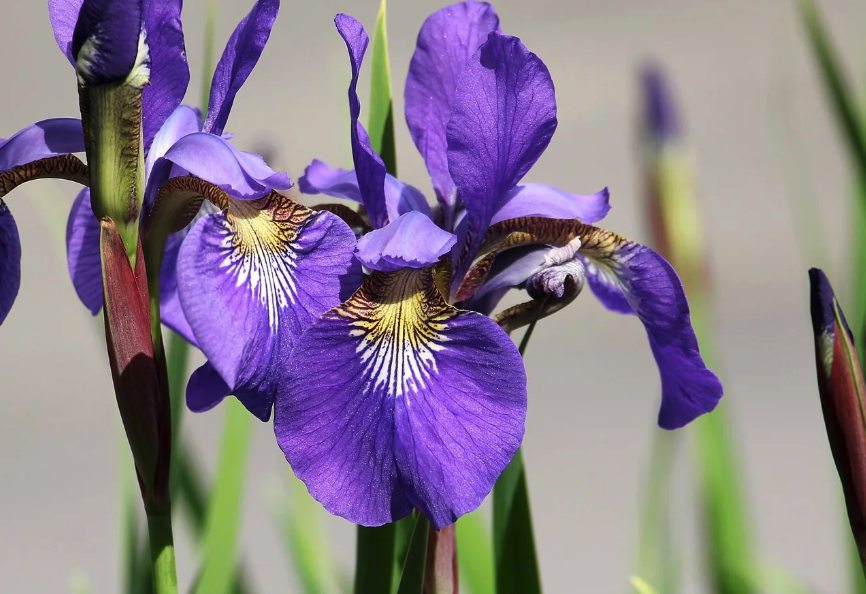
[
  {"x": 175, "y": 139},
  {"x": 398, "y": 399}
]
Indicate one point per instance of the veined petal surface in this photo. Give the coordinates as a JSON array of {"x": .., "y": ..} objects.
[
  {"x": 448, "y": 38},
  {"x": 169, "y": 71},
  {"x": 541, "y": 200},
  {"x": 64, "y": 15},
  {"x": 48, "y": 138},
  {"x": 369, "y": 167},
  {"x": 240, "y": 56},
  {"x": 214, "y": 159},
  {"x": 411, "y": 241},
  {"x": 653, "y": 290},
  {"x": 251, "y": 278},
  {"x": 10, "y": 261},
  {"x": 412, "y": 403},
  {"x": 184, "y": 120}
]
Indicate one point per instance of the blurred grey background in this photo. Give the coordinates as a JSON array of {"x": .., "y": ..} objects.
[{"x": 760, "y": 130}]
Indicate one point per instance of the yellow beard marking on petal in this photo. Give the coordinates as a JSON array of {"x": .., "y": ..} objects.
[
  {"x": 401, "y": 318},
  {"x": 260, "y": 248}
]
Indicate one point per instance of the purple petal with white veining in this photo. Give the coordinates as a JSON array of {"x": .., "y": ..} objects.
[
  {"x": 240, "y": 56},
  {"x": 400, "y": 198},
  {"x": 369, "y": 166},
  {"x": 654, "y": 291},
  {"x": 205, "y": 389},
  {"x": 169, "y": 71},
  {"x": 105, "y": 40},
  {"x": 252, "y": 278},
  {"x": 503, "y": 117},
  {"x": 64, "y": 15},
  {"x": 541, "y": 200},
  {"x": 82, "y": 252},
  {"x": 48, "y": 138},
  {"x": 606, "y": 288},
  {"x": 10, "y": 261},
  {"x": 214, "y": 159},
  {"x": 411, "y": 241},
  {"x": 412, "y": 403},
  {"x": 448, "y": 38}
]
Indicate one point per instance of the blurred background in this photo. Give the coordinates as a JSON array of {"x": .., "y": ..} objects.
[{"x": 760, "y": 130}]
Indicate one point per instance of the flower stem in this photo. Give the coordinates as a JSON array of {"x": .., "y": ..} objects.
[{"x": 162, "y": 553}]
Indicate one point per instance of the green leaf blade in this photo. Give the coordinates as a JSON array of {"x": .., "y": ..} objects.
[
  {"x": 381, "y": 120},
  {"x": 412, "y": 580}
]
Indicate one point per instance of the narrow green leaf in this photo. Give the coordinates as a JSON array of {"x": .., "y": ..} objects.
[
  {"x": 412, "y": 580},
  {"x": 474, "y": 554},
  {"x": 642, "y": 586},
  {"x": 857, "y": 582},
  {"x": 177, "y": 353},
  {"x": 381, "y": 123},
  {"x": 208, "y": 64},
  {"x": 224, "y": 510},
  {"x": 513, "y": 540},
  {"x": 299, "y": 519},
  {"x": 403, "y": 530},
  {"x": 657, "y": 559},
  {"x": 836, "y": 84},
  {"x": 374, "y": 559}
]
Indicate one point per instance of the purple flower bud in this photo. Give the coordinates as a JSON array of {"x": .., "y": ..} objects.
[
  {"x": 661, "y": 117},
  {"x": 841, "y": 387},
  {"x": 108, "y": 43}
]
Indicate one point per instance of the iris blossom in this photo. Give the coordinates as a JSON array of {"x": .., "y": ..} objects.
[
  {"x": 175, "y": 140},
  {"x": 401, "y": 396}
]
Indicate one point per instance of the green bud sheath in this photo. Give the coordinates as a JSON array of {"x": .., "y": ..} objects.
[{"x": 111, "y": 116}]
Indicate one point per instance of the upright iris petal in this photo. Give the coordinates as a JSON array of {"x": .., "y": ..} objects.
[
  {"x": 250, "y": 279},
  {"x": 447, "y": 40},
  {"x": 369, "y": 167},
  {"x": 240, "y": 56},
  {"x": 413, "y": 403},
  {"x": 502, "y": 119}
]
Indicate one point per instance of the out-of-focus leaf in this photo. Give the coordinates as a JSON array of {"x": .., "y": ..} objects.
[
  {"x": 641, "y": 586},
  {"x": 381, "y": 123},
  {"x": 412, "y": 580},
  {"x": 219, "y": 545},
  {"x": 475, "y": 556},
  {"x": 657, "y": 558},
  {"x": 299, "y": 519}
]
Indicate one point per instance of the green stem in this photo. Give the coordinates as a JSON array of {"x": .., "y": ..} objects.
[
  {"x": 374, "y": 558},
  {"x": 412, "y": 580},
  {"x": 162, "y": 553}
]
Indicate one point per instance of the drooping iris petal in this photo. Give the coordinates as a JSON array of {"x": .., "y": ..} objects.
[
  {"x": 105, "y": 41},
  {"x": 541, "y": 200},
  {"x": 413, "y": 403},
  {"x": 252, "y": 278},
  {"x": 48, "y": 138},
  {"x": 82, "y": 252},
  {"x": 64, "y": 15},
  {"x": 654, "y": 291},
  {"x": 169, "y": 71},
  {"x": 241, "y": 53},
  {"x": 214, "y": 159},
  {"x": 411, "y": 241},
  {"x": 369, "y": 166},
  {"x": 448, "y": 38},
  {"x": 10, "y": 261},
  {"x": 205, "y": 389},
  {"x": 503, "y": 117},
  {"x": 400, "y": 198}
]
